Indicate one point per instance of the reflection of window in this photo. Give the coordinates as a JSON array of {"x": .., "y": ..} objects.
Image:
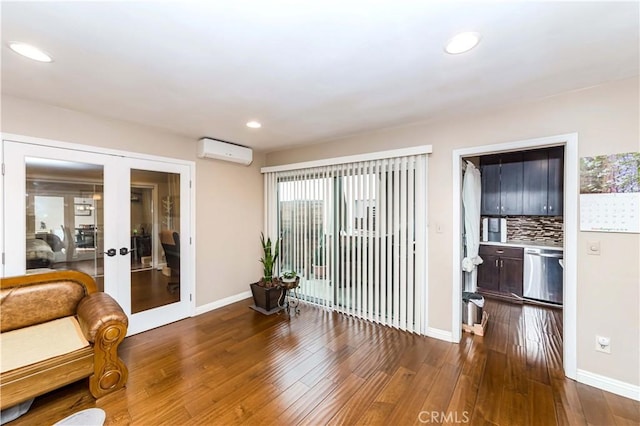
[{"x": 49, "y": 214}]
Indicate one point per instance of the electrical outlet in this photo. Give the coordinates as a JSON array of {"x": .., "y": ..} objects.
[{"x": 603, "y": 344}]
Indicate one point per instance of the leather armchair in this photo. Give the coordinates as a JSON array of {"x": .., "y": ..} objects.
[{"x": 35, "y": 299}]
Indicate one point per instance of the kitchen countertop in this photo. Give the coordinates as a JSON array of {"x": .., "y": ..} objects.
[{"x": 533, "y": 244}]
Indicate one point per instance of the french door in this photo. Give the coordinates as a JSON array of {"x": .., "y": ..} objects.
[{"x": 123, "y": 220}]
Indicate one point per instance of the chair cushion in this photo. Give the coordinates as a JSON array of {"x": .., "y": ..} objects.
[{"x": 36, "y": 343}]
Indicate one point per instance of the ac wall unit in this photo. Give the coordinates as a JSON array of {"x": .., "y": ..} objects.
[{"x": 220, "y": 150}]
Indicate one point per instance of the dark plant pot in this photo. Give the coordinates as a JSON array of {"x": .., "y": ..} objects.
[{"x": 266, "y": 298}]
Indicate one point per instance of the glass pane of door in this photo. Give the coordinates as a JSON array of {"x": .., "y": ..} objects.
[
  {"x": 155, "y": 239},
  {"x": 64, "y": 216},
  {"x": 304, "y": 206}
]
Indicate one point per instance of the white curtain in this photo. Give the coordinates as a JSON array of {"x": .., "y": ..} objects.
[
  {"x": 356, "y": 235},
  {"x": 471, "y": 201}
]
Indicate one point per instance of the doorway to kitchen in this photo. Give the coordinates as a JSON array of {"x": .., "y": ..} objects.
[{"x": 569, "y": 143}]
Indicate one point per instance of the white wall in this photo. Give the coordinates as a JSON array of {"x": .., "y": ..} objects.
[
  {"x": 607, "y": 120},
  {"x": 228, "y": 196}
]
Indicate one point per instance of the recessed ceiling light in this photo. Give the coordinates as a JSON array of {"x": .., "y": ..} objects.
[
  {"x": 462, "y": 42},
  {"x": 254, "y": 124},
  {"x": 29, "y": 51}
]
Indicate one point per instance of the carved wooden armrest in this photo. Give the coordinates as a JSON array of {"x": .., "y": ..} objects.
[{"x": 105, "y": 325}]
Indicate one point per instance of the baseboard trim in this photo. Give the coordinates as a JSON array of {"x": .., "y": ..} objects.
[
  {"x": 608, "y": 384},
  {"x": 436, "y": 333},
  {"x": 222, "y": 302}
]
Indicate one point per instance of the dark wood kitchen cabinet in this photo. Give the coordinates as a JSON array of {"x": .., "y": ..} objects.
[
  {"x": 490, "y": 178},
  {"x": 543, "y": 182},
  {"x": 523, "y": 183},
  {"x": 511, "y": 179},
  {"x": 555, "y": 187},
  {"x": 489, "y": 273},
  {"x": 500, "y": 273},
  {"x": 502, "y": 177}
]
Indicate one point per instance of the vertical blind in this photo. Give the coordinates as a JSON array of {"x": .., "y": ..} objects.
[{"x": 356, "y": 235}]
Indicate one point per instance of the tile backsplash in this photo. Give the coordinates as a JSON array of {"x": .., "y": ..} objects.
[{"x": 535, "y": 228}]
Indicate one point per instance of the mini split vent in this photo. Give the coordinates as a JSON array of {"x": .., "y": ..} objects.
[{"x": 220, "y": 150}]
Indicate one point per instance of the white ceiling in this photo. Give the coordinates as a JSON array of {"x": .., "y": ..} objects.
[{"x": 309, "y": 71}]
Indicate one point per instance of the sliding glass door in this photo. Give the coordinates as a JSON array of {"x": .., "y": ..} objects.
[
  {"x": 356, "y": 235},
  {"x": 104, "y": 215}
]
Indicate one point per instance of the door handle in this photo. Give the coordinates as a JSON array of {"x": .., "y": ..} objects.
[
  {"x": 111, "y": 252},
  {"x": 125, "y": 251},
  {"x": 496, "y": 263}
]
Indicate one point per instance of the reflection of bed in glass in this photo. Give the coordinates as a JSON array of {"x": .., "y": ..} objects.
[
  {"x": 48, "y": 250},
  {"x": 38, "y": 254},
  {"x": 43, "y": 250}
]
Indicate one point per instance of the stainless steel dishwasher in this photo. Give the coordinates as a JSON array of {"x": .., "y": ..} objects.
[{"x": 543, "y": 275}]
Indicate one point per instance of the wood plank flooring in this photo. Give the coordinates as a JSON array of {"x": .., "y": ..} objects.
[
  {"x": 236, "y": 366},
  {"x": 149, "y": 289},
  {"x": 148, "y": 286}
]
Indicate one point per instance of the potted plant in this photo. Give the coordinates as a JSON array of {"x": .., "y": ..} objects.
[
  {"x": 267, "y": 292},
  {"x": 289, "y": 280},
  {"x": 289, "y": 277}
]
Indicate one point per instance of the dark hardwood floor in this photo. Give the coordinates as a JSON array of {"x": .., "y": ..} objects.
[
  {"x": 149, "y": 289},
  {"x": 236, "y": 366}
]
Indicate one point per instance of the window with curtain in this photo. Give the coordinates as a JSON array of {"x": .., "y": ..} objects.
[{"x": 356, "y": 235}]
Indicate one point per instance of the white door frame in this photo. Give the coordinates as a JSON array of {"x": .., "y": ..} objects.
[
  {"x": 188, "y": 273},
  {"x": 571, "y": 220}
]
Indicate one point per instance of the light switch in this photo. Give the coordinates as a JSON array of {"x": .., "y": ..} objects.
[{"x": 593, "y": 247}]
